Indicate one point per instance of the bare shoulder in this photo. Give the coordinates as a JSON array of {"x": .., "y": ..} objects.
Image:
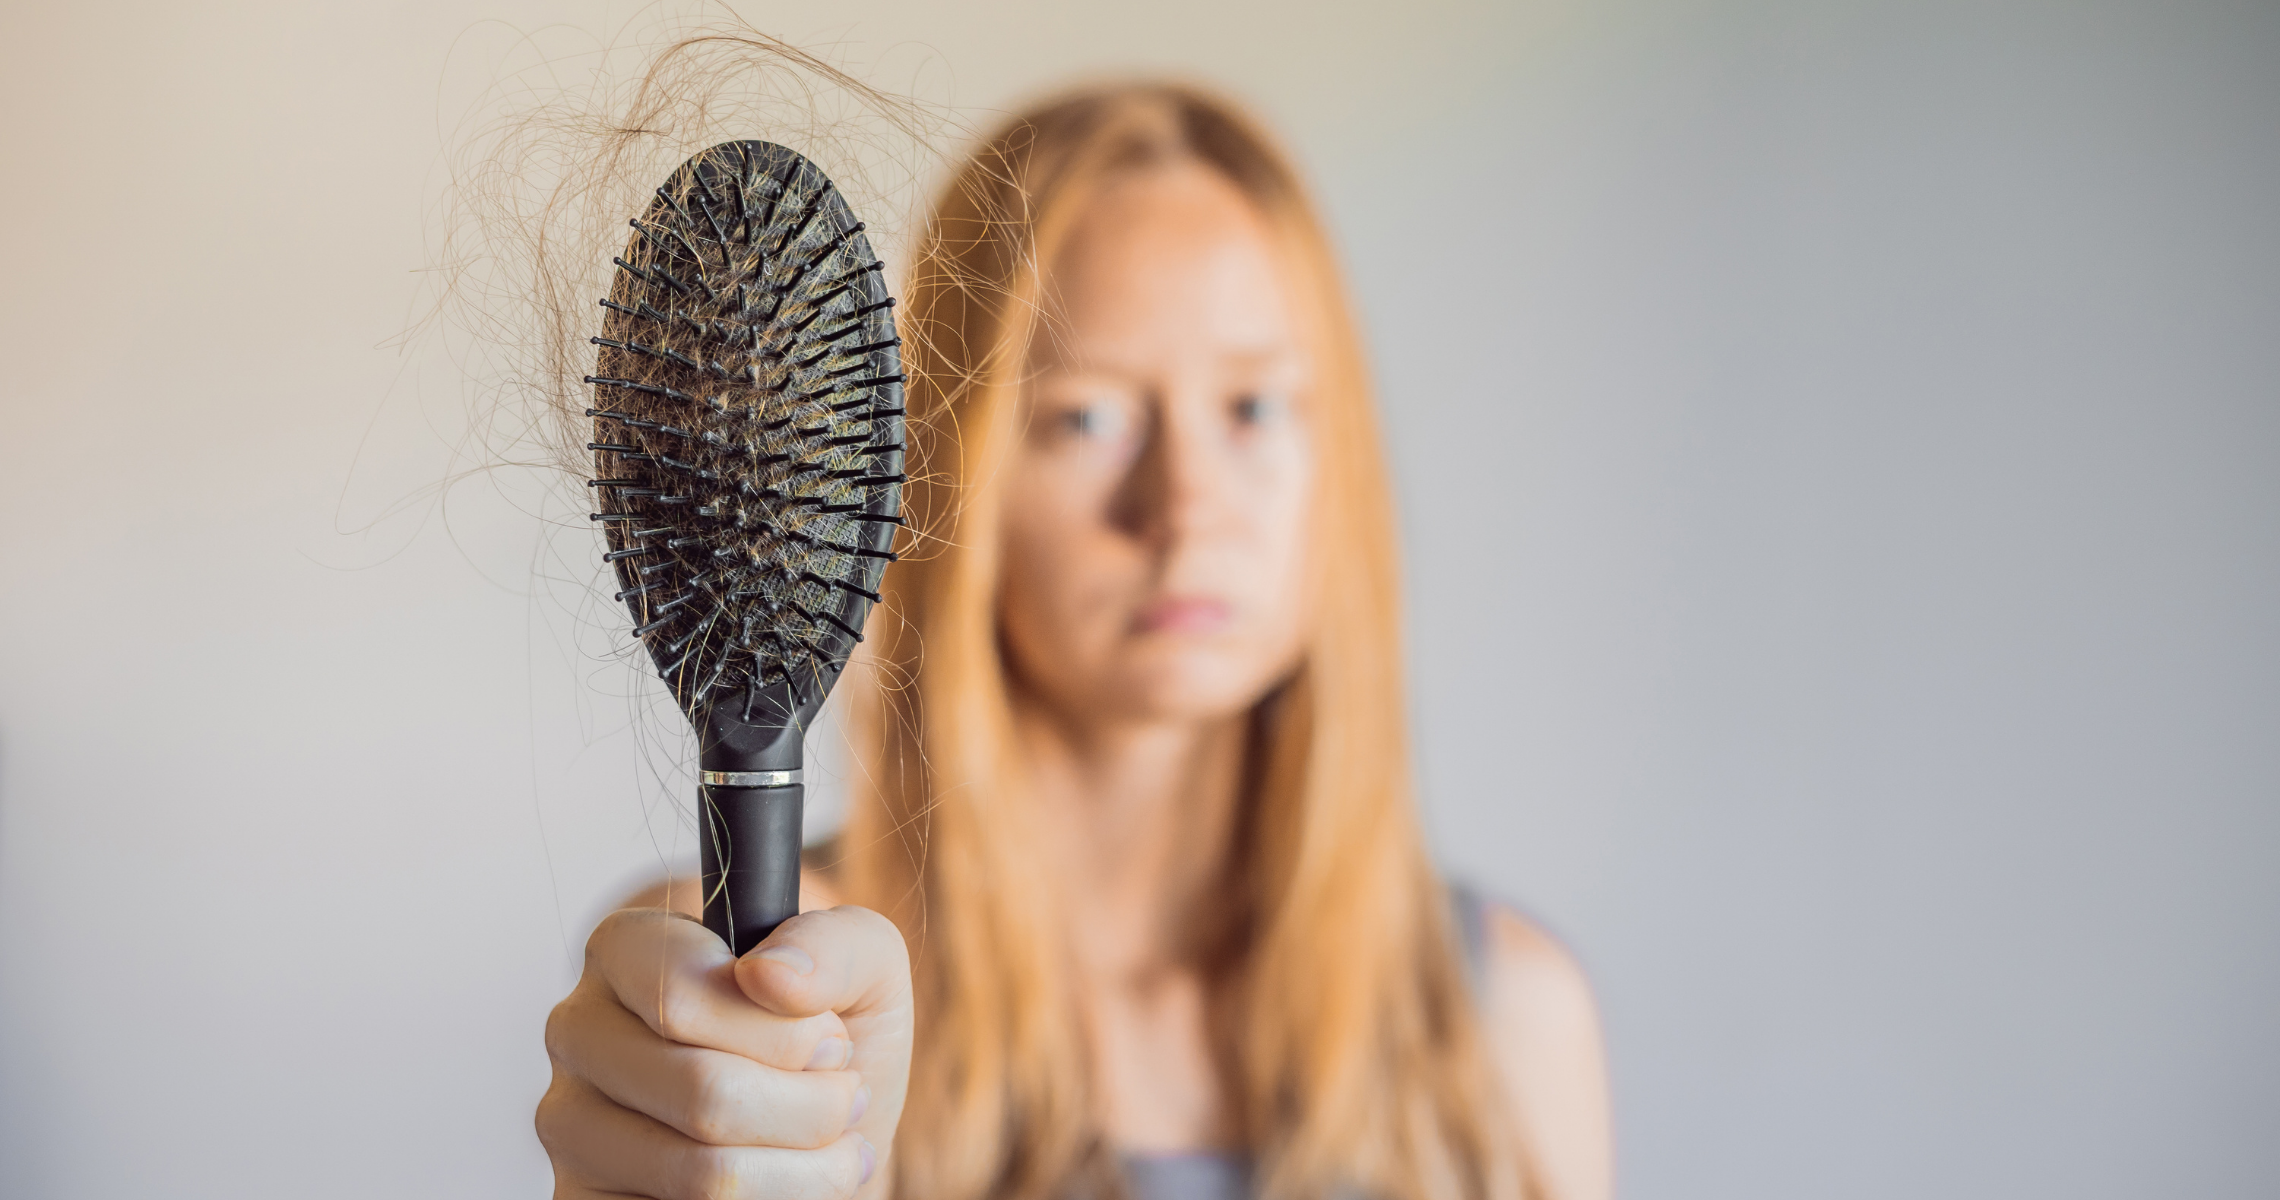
[
  {"x": 679, "y": 893},
  {"x": 1530, "y": 975},
  {"x": 1543, "y": 1026}
]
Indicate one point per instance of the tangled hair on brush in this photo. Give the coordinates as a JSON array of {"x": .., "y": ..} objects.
[
  {"x": 542, "y": 182},
  {"x": 749, "y": 426},
  {"x": 544, "y": 175}
]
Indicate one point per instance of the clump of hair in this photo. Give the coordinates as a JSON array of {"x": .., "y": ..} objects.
[
  {"x": 547, "y": 170},
  {"x": 541, "y": 177}
]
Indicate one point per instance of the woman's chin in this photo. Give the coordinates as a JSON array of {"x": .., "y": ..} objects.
[{"x": 1190, "y": 686}]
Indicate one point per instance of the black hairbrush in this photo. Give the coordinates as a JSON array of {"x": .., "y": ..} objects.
[{"x": 749, "y": 448}]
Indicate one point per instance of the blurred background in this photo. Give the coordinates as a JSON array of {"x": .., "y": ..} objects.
[{"x": 1839, "y": 446}]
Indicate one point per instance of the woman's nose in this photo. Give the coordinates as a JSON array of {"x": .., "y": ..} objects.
[{"x": 1174, "y": 489}]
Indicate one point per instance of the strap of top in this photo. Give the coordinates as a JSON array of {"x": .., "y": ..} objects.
[
  {"x": 1199, "y": 1176},
  {"x": 1471, "y": 910}
]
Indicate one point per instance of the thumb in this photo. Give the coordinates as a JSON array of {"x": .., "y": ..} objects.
[{"x": 846, "y": 960}]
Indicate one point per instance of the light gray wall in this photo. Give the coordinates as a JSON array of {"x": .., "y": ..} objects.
[{"x": 1840, "y": 449}]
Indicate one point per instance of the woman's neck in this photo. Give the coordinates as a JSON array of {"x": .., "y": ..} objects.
[{"x": 1138, "y": 819}]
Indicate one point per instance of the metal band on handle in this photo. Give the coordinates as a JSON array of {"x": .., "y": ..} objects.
[{"x": 749, "y": 779}]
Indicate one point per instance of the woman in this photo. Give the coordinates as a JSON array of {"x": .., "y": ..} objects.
[{"x": 1133, "y": 899}]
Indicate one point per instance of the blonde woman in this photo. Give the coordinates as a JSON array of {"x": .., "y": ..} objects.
[{"x": 1133, "y": 900}]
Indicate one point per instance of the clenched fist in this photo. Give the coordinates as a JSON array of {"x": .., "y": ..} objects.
[{"x": 681, "y": 1073}]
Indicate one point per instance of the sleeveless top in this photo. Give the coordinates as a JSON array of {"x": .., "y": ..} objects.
[{"x": 1226, "y": 1175}]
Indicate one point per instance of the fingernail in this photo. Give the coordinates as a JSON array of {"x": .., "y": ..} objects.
[
  {"x": 830, "y": 1054},
  {"x": 790, "y": 956},
  {"x": 862, "y": 1105},
  {"x": 870, "y": 1158}
]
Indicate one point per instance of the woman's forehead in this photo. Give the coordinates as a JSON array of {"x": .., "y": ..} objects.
[{"x": 1173, "y": 260}]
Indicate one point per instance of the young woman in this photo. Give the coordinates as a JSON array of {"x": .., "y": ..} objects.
[{"x": 1133, "y": 900}]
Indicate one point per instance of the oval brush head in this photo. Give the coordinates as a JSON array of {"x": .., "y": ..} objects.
[
  {"x": 748, "y": 426},
  {"x": 748, "y": 448}
]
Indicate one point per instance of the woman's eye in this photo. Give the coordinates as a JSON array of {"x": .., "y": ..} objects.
[
  {"x": 1258, "y": 408},
  {"x": 1097, "y": 422}
]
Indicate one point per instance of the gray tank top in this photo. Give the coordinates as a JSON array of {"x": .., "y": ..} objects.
[{"x": 1207, "y": 1175}]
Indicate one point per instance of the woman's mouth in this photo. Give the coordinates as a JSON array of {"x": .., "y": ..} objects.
[{"x": 1184, "y": 614}]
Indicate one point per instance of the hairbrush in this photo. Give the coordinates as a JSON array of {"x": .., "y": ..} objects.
[{"x": 748, "y": 452}]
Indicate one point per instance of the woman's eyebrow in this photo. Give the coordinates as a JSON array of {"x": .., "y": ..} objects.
[
  {"x": 1068, "y": 375},
  {"x": 1095, "y": 370},
  {"x": 1266, "y": 356}
]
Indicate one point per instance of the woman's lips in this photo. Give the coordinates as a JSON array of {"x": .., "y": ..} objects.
[{"x": 1184, "y": 614}]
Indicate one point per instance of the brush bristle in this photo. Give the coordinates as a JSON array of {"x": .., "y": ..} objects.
[{"x": 748, "y": 432}]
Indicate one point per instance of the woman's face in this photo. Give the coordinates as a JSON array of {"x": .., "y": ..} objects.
[{"x": 1157, "y": 507}]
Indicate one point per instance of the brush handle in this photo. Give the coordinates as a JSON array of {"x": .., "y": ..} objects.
[{"x": 751, "y": 869}]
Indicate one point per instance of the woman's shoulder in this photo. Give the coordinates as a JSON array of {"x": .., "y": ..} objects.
[
  {"x": 1542, "y": 1022},
  {"x": 1510, "y": 953},
  {"x": 1522, "y": 962}
]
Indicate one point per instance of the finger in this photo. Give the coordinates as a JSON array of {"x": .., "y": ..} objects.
[
  {"x": 847, "y": 960},
  {"x": 605, "y": 1147},
  {"x": 713, "y": 1097},
  {"x": 678, "y": 978}
]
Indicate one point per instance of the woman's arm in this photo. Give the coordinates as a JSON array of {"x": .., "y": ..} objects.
[{"x": 1543, "y": 1027}]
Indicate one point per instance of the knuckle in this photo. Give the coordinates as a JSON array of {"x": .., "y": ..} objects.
[
  {"x": 606, "y": 932},
  {"x": 680, "y": 1010},
  {"x": 560, "y": 1028},
  {"x": 707, "y": 1173},
  {"x": 710, "y": 1103},
  {"x": 872, "y": 921},
  {"x": 549, "y": 1120},
  {"x": 888, "y": 937}
]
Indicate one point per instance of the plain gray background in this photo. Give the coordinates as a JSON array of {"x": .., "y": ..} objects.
[{"x": 1840, "y": 451}]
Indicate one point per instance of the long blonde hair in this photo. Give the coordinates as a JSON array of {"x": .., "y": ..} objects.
[{"x": 1343, "y": 1018}]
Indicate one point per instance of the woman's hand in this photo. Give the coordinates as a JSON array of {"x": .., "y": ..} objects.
[{"x": 681, "y": 1074}]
